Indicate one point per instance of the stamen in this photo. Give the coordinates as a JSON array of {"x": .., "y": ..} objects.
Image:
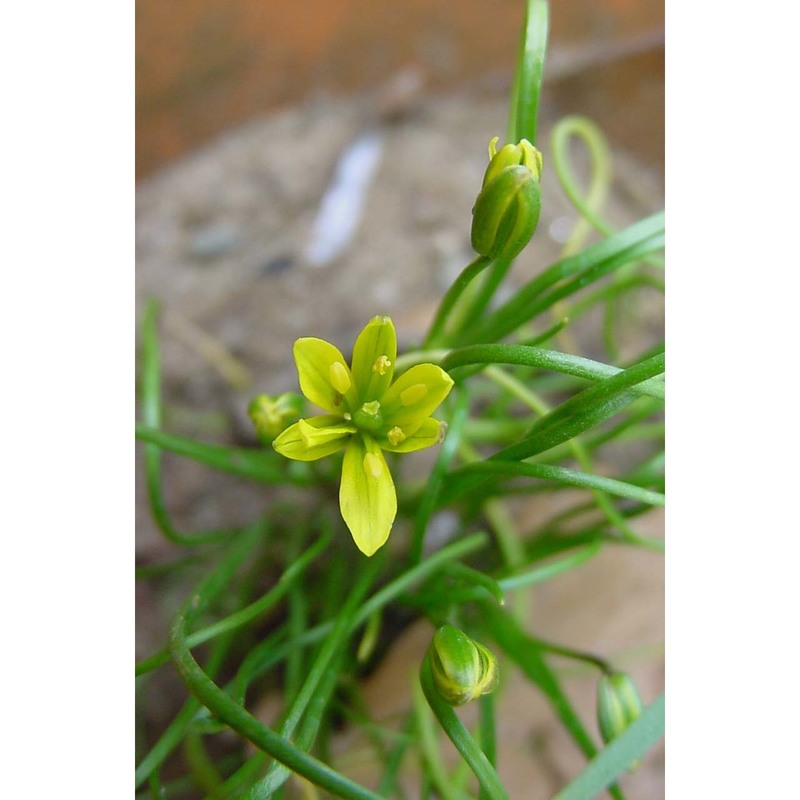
[
  {"x": 413, "y": 394},
  {"x": 381, "y": 364},
  {"x": 340, "y": 379},
  {"x": 373, "y": 465},
  {"x": 395, "y": 436}
]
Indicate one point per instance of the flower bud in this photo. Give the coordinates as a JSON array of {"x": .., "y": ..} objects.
[
  {"x": 512, "y": 155},
  {"x": 271, "y": 415},
  {"x": 462, "y": 669},
  {"x": 506, "y": 211},
  {"x": 618, "y": 704}
]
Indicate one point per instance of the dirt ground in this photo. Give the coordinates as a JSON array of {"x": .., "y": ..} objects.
[{"x": 221, "y": 238}]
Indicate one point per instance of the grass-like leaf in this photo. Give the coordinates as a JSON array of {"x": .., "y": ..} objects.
[
  {"x": 629, "y": 747},
  {"x": 527, "y": 654},
  {"x": 524, "y": 355}
]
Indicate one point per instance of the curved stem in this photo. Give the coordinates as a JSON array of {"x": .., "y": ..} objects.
[
  {"x": 151, "y": 414},
  {"x": 460, "y": 737},
  {"x": 468, "y": 274},
  {"x": 246, "y": 614},
  {"x": 246, "y": 725},
  {"x": 600, "y": 160}
]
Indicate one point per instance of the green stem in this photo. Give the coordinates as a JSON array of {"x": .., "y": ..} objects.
[
  {"x": 529, "y": 72},
  {"x": 429, "y": 746},
  {"x": 523, "y": 355},
  {"x": 246, "y": 614},
  {"x": 151, "y": 413},
  {"x": 443, "y": 459},
  {"x": 469, "y": 273},
  {"x": 246, "y": 725},
  {"x": 460, "y": 737},
  {"x": 477, "y": 305},
  {"x": 342, "y": 628},
  {"x": 575, "y": 655},
  {"x": 488, "y": 739},
  {"x": 212, "y": 586},
  {"x": 259, "y": 661}
]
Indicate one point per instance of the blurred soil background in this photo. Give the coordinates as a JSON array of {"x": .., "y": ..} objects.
[{"x": 244, "y": 110}]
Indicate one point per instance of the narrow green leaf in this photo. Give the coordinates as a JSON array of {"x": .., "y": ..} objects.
[
  {"x": 592, "y": 263},
  {"x": 629, "y": 747},
  {"x": 524, "y": 355},
  {"x": 261, "y": 465},
  {"x": 527, "y": 654},
  {"x": 568, "y": 477},
  {"x": 585, "y": 410}
]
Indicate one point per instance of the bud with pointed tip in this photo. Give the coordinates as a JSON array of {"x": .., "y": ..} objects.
[
  {"x": 462, "y": 668},
  {"x": 512, "y": 155},
  {"x": 507, "y": 208}
]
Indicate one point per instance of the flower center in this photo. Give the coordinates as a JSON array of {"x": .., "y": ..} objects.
[{"x": 369, "y": 417}]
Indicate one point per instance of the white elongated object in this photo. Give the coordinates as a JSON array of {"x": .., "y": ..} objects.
[{"x": 343, "y": 202}]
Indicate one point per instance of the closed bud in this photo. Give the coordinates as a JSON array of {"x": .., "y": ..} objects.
[
  {"x": 523, "y": 154},
  {"x": 618, "y": 704},
  {"x": 271, "y": 415},
  {"x": 462, "y": 668},
  {"x": 506, "y": 211}
]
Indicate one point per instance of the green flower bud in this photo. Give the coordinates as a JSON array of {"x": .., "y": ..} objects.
[
  {"x": 618, "y": 704},
  {"x": 271, "y": 415},
  {"x": 462, "y": 669},
  {"x": 506, "y": 211},
  {"x": 512, "y": 155}
]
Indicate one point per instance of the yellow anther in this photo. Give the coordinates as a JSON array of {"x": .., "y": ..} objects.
[
  {"x": 373, "y": 465},
  {"x": 395, "y": 436},
  {"x": 413, "y": 394},
  {"x": 340, "y": 378},
  {"x": 381, "y": 364}
]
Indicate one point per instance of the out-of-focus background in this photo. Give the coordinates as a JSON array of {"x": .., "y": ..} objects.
[
  {"x": 247, "y": 114},
  {"x": 205, "y": 66}
]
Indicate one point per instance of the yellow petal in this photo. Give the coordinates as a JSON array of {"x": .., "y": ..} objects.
[
  {"x": 414, "y": 396},
  {"x": 374, "y": 355},
  {"x": 321, "y": 369},
  {"x": 310, "y": 439},
  {"x": 431, "y": 432},
  {"x": 367, "y": 497}
]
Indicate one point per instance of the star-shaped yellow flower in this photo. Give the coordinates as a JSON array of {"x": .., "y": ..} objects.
[{"x": 367, "y": 414}]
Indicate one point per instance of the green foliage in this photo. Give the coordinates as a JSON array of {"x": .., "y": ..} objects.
[{"x": 288, "y": 603}]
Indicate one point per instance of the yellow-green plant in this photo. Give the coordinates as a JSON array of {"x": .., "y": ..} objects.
[{"x": 286, "y": 602}]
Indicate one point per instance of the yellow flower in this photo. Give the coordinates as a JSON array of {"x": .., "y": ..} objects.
[{"x": 367, "y": 414}]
